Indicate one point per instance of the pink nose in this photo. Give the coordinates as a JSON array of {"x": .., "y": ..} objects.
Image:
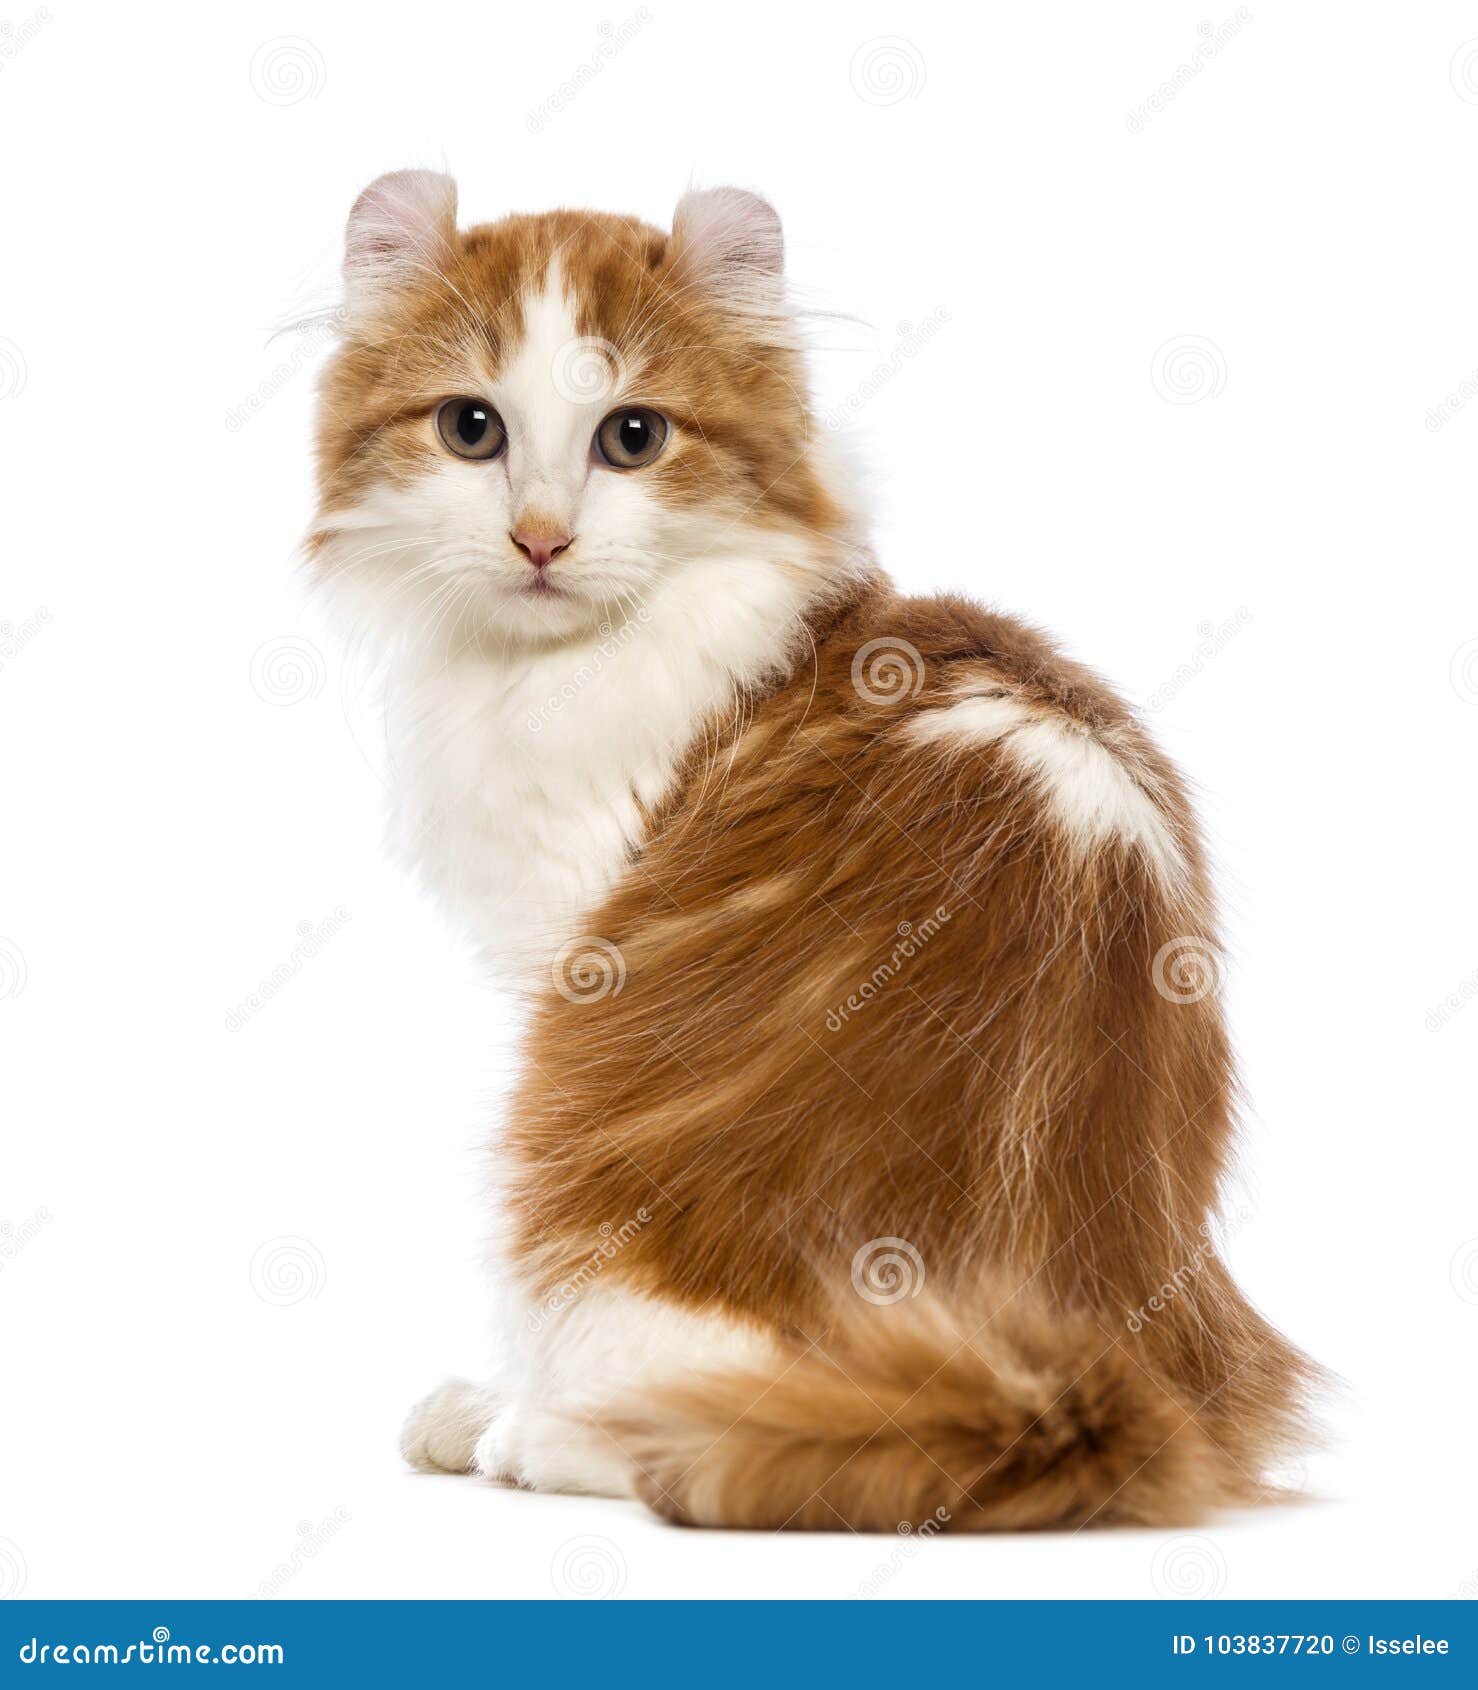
[{"x": 540, "y": 548}]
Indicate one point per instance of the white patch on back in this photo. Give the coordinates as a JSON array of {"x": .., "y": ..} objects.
[{"x": 1087, "y": 778}]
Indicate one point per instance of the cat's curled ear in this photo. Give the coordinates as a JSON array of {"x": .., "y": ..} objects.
[
  {"x": 726, "y": 243},
  {"x": 402, "y": 226}
]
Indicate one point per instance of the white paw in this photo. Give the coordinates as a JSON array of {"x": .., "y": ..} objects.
[
  {"x": 496, "y": 1454},
  {"x": 441, "y": 1432}
]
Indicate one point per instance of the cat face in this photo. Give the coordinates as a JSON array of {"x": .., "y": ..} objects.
[{"x": 532, "y": 427}]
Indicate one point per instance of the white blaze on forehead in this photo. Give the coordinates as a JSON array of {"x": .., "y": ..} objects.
[{"x": 552, "y": 391}]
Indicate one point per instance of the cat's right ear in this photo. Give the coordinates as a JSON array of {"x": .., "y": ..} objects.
[{"x": 402, "y": 226}]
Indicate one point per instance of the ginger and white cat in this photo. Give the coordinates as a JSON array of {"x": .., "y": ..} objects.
[{"x": 874, "y": 1087}]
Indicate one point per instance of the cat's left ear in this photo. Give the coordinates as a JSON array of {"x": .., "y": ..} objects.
[
  {"x": 726, "y": 242},
  {"x": 402, "y": 225}
]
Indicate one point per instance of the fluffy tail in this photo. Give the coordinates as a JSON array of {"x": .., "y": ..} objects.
[{"x": 904, "y": 1417}]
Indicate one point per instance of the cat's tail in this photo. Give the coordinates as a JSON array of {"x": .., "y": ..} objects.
[{"x": 904, "y": 1419}]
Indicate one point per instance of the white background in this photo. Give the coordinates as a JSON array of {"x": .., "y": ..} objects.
[{"x": 1203, "y": 367}]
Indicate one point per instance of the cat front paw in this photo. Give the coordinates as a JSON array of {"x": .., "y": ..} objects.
[{"x": 441, "y": 1432}]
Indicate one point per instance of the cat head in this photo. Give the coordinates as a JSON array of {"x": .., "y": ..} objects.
[{"x": 534, "y": 427}]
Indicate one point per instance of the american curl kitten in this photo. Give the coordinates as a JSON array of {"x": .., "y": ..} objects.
[{"x": 875, "y": 1094}]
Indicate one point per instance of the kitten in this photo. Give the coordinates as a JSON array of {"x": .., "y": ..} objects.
[{"x": 875, "y": 1093}]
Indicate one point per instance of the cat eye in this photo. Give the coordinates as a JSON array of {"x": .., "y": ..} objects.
[
  {"x": 630, "y": 438},
  {"x": 471, "y": 428}
]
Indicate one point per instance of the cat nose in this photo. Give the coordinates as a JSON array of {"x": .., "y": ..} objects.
[{"x": 538, "y": 545}]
